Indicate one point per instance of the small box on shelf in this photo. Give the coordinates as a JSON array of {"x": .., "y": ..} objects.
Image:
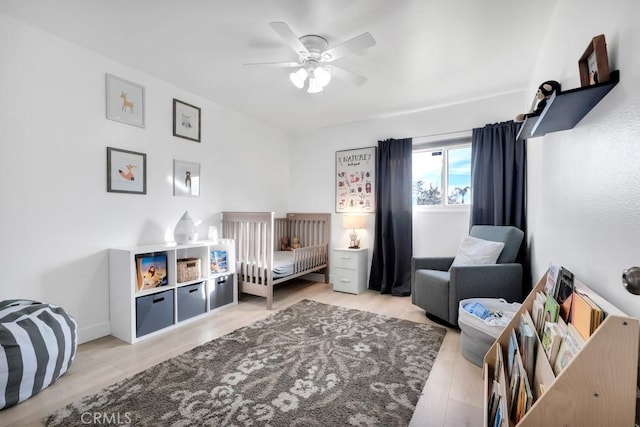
[{"x": 188, "y": 269}]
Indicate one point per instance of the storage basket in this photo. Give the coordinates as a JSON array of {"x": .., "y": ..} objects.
[
  {"x": 478, "y": 335},
  {"x": 188, "y": 269}
]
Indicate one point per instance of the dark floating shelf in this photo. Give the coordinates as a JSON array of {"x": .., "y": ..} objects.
[{"x": 565, "y": 109}]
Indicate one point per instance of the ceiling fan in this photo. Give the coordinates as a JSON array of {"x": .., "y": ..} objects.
[{"x": 314, "y": 56}]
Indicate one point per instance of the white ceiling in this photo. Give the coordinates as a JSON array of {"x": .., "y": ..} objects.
[{"x": 427, "y": 52}]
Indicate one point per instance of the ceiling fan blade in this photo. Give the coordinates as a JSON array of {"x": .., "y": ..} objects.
[
  {"x": 273, "y": 64},
  {"x": 347, "y": 75},
  {"x": 289, "y": 36},
  {"x": 361, "y": 42}
]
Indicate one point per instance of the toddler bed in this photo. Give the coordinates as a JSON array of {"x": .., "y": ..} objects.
[{"x": 260, "y": 264}]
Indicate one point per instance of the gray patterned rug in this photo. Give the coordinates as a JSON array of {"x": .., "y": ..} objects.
[{"x": 311, "y": 364}]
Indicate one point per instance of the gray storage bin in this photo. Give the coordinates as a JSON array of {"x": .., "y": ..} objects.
[
  {"x": 221, "y": 292},
  {"x": 192, "y": 301},
  {"x": 476, "y": 336},
  {"x": 154, "y": 312}
]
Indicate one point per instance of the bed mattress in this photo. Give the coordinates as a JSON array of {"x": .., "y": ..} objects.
[{"x": 282, "y": 264}]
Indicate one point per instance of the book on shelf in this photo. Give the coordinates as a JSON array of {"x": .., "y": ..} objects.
[
  {"x": 564, "y": 292},
  {"x": 511, "y": 351},
  {"x": 585, "y": 315},
  {"x": 552, "y": 277},
  {"x": 571, "y": 344},
  {"x": 520, "y": 390},
  {"x": 528, "y": 342},
  {"x": 499, "y": 415},
  {"x": 551, "y": 309},
  {"x": 514, "y": 383},
  {"x": 552, "y": 336},
  {"x": 219, "y": 262},
  {"x": 494, "y": 402},
  {"x": 537, "y": 311}
]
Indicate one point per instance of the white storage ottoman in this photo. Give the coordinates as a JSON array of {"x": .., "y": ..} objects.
[{"x": 476, "y": 334}]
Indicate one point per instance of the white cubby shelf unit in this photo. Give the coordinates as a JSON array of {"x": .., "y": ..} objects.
[{"x": 142, "y": 313}]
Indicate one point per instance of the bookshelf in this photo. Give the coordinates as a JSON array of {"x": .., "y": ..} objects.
[
  {"x": 139, "y": 311},
  {"x": 597, "y": 387}
]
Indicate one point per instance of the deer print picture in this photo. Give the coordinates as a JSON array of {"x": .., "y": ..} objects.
[{"x": 125, "y": 101}]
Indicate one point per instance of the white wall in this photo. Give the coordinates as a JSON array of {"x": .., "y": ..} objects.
[
  {"x": 313, "y": 166},
  {"x": 57, "y": 220},
  {"x": 584, "y": 197}
]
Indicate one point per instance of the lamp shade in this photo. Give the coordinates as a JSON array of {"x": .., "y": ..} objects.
[
  {"x": 323, "y": 77},
  {"x": 314, "y": 87},
  {"x": 353, "y": 221},
  {"x": 298, "y": 78}
]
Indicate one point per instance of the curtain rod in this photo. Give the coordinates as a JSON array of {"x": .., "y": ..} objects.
[{"x": 442, "y": 134}]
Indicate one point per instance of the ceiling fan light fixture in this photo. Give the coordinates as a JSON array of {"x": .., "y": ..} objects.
[
  {"x": 298, "y": 78},
  {"x": 314, "y": 87},
  {"x": 322, "y": 76}
]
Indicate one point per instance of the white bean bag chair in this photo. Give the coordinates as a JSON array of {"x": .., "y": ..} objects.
[{"x": 37, "y": 345}]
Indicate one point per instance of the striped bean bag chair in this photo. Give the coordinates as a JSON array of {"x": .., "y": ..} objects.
[{"x": 37, "y": 345}]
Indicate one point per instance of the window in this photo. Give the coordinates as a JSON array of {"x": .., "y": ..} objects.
[{"x": 442, "y": 175}]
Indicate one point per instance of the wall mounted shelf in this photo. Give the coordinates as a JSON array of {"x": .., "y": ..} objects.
[{"x": 565, "y": 109}]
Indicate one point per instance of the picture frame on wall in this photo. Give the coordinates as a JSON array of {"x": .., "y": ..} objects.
[
  {"x": 126, "y": 171},
  {"x": 186, "y": 120},
  {"x": 124, "y": 101},
  {"x": 356, "y": 180},
  {"x": 594, "y": 62},
  {"x": 186, "y": 179}
]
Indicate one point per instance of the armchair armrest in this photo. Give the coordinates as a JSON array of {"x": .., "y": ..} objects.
[
  {"x": 486, "y": 281},
  {"x": 431, "y": 263}
]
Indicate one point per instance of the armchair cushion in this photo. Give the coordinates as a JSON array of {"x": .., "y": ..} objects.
[{"x": 475, "y": 251}]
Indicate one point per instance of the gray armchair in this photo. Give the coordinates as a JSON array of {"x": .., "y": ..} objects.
[{"x": 438, "y": 288}]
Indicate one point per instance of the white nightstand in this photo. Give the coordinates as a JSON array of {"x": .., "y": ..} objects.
[{"x": 350, "y": 270}]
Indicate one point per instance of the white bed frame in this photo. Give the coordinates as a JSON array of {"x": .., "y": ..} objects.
[{"x": 258, "y": 235}]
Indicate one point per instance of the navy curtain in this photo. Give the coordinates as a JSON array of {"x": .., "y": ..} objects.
[
  {"x": 392, "y": 246},
  {"x": 498, "y": 180},
  {"x": 498, "y": 176}
]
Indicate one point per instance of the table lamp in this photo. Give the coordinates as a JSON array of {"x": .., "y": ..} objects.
[{"x": 353, "y": 222}]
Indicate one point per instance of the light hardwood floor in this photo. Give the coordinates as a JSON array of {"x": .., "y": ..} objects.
[{"x": 452, "y": 395}]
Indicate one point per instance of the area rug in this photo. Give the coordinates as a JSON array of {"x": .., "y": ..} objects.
[{"x": 311, "y": 364}]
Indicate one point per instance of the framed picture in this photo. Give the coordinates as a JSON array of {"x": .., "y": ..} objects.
[
  {"x": 356, "y": 180},
  {"x": 186, "y": 179},
  {"x": 186, "y": 120},
  {"x": 125, "y": 101},
  {"x": 126, "y": 171},
  {"x": 594, "y": 63}
]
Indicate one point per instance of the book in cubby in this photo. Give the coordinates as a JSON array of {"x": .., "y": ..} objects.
[
  {"x": 151, "y": 270},
  {"x": 552, "y": 336},
  {"x": 219, "y": 262},
  {"x": 563, "y": 292},
  {"x": 571, "y": 343},
  {"x": 586, "y": 315}
]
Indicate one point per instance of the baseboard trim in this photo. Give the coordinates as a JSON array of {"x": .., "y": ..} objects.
[{"x": 94, "y": 332}]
